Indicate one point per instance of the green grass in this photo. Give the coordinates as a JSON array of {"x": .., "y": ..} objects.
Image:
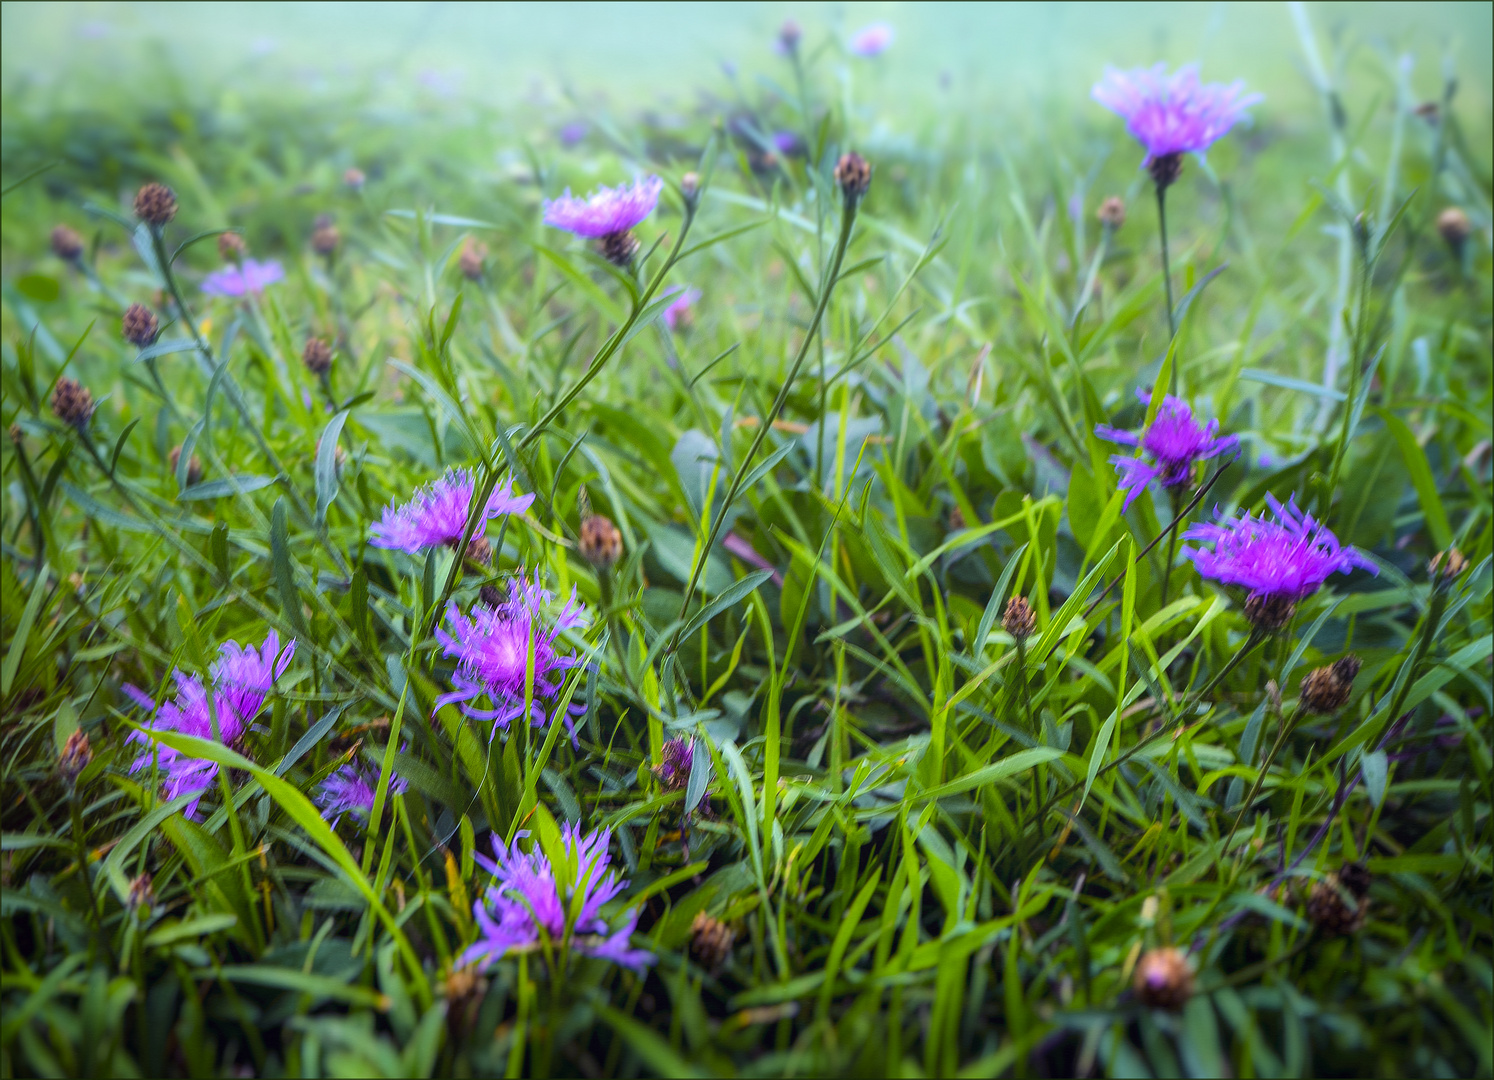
[{"x": 940, "y": 850}]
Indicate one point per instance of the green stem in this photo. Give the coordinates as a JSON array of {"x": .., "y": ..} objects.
[
  {"x": 1172, "y": 324},
  {"x": 1260, "y": 778}
]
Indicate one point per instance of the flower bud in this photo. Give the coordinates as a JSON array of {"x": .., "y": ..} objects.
[
  {"x": 67, "y": 244},
  {"x": 1447, "y": 565},
  {"x": 690, "y": 188},
  {"x": 72, "y": 403},
  {"x": 325, "y": 238},
  {"x": 317, "y": 356},
  {"x": 490, "y": 596},
  {"x": 142, "y": 893},
  {"x": 75, "y": 756},
  {"x": 600, "y": 542},
  {"x": 1164, "y": 979},
  {"x": 711, "y": 940},
  {"x": 853, "y": 174},
  {"x": 1334, "y": 913},
  {"x": 194, "y": 464},
  {"x": 788, "y": 36},
  {"x": 1018, "y": 619},
  {"x": 1454, "y": 227},
  {"x": 139, "y": 325},
  {"x": 155, "y": 204},
  {"x": 474, "y": 253},
  {"x": 480, "y": 550},
  {"x": 231, "y": 247},
  {"x": 1326, "y": 689},
  {"x": 1112, "y": 212}
]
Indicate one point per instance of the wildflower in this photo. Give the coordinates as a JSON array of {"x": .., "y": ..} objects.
[
  {"x": 317, "y": 356},
  {"x": 677, "y": 757},
  {"x": 1339, "y": 904},
  {"x": 1164, "y": 979},
  {"x": 1447, "y": 565},
  {"x": 72, "y": 403},
  {"x": 853, "y": 174},
  {"x": 788, "y": 38},
  {"x": 530, "y": 902},
  {"x": 67, "y": 244},
  {"x": 139, "y": 325},
  {"x": 324, "y": 236},
  {"x": 711, "y": 940},
  {"x": 251, "y": 277},
  {"x": 1112, "y": 213},
  {"x": 1326, "y": 689},
  {"x": 438, "y": 514},
  {"x": 681, "y": 313},
  {"x": 350, "y": 790},
  {"x": 474, "y": 252},
  {"x": 1454, "y": 228},
  {"x": 1172, "y": 115},
  {"x": 1018, "y": 619},
  {"x": 142, "y": 893},
  {"x": 240, "y": 679},
  {"x": 194, "y": 464},
  {"x": 231, "y": 247},
  {"x": 496, "y": 644},
  {"x": 354, "y": 178},
  {"x": 871, "y": 40},
  {"x": 155, "y": 204},
  {"x": 1280, "y": 562},
  {"x": 600, "y": 542},
  {"x": 607, "y": 216},
  {"x": 75, "y": 756},
  {"x": 1174, "y": 440},
  {"x": 787, "y": 143}
]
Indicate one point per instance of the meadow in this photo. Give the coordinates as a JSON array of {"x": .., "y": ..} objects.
[{"x": 748, "y": 584}]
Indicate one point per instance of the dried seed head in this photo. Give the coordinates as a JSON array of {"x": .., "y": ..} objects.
[
  {"x": 194, "y": 464},
  {"x": 1165, "y": 169},
  {"x": 139, "y": 325},
  {"x": 788, "y": 36},
  {"x": 1454, "y": 227},
  {"x": 1335, "y": 913},
  {"x": 711, "y": 941},
  {"x": 317, "y": 356},
  {"x": 1164, "y": 979},
  {"x": 618, "y": 248},
  {"x": 231, "y": 247},
  {"x": 1270, "y": 612},
  {"x": 324, "y": 236},
  {"x": 490, "y": 596},
  {"x": 155, "y": 204},
  {"x": 142, "y": 893},
  {"x": 1112, "y": 212},
  {"x": 72, "y": 403},
  {"x": 354, "y": 178},
  {"x": 1447, "y": 565},
  {"x": 853, "y": 174},
  {"x": 1018, "y": 619},
  {"x": 1326, "y": 689},
  {"x": 75, "y": 756},
  {"x": 601, "y": 543},
  {"x": 474, "y": 253},
  {"x": 67, "y": 244}
]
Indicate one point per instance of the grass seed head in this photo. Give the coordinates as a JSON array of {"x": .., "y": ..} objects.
[{"x": 155, "y": 204}]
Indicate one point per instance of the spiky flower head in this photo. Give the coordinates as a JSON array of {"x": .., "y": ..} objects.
[
  {"x": 1172, "y": 115},
  {"x": 676, "y": 758},
  {"x": 67, "y": 244},
  {"x": 1018, "y": 619},
  {"x": 72, "y": 403},
  {"x": 1174, "y": 441},
  {"x": 351, "y": 790},
  {"x": 1279, "y": 562},
  {"x": 437, "y": 514},
  {"x": 536, "y": 900},
  {"x": 155, "y": 204},
  {"x": 496, "y": 644},
  {"x": 681, "y": 313},
  {"x": 251, "y": 276},
  {"x": 606, "y": 211},
  {"x": 871, "y": 40},
  {"x": 139, "y": 325},
  {"x": 241, "y": 677}
]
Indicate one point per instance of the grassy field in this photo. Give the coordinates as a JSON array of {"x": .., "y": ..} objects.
[{"x": 865, "y": 815}]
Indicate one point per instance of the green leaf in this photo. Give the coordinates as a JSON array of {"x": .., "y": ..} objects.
[
  {"x": 1422, "y": 479},
  {"x": 229, "y": 485},
  {"x": 23, "y": 631},
  {"x": 326, "y": 465},
  {"x": 726, "y": 599},
  {"x": 285, "y": 577}
]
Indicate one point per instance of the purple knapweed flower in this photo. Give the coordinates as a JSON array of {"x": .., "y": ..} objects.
[
  {"x": 675, "y": 760},
  {"x": 1280, "y": 562},
  {"x": 680, "y": 312},
  {"x": 532, "y": 896},
  {"x": 241, "y": 677},
  {"x": 1172, "y": 115},
  {"x": 606, "y": 211},
  {"x": 251, "y": 277},
  {"x": 437, "y": 514},
  {"x": 1174, "y": 440},
  {"x": 350, "y": 790},
  {"x": 871, "y": 40},
  {"x": 493, "y": 645}
]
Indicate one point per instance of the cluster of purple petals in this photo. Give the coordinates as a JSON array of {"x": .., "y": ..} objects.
[
  {"x": 680, "y": 309},
  {"x": 528, "y": 899},
  {"x": 1290, "y": 557},
  {"x": 240, "y": 678},
  {"x": 492, "y": 647},
  {"x": 606, "y": 211},
  {"x": 675, "y": 759},
  {"x": 350, "y": 790},
  {"x": 251, "y": 277},
  {"x": 1173, "y": 114},
  {"x": 438, "y": 513},
  {"x": 872, "y": 40},
  {"x": 1174, "y": 441}
]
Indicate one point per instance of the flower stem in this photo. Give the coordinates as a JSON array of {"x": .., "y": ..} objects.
[
  {"x": 1287, "y": 727},
  {"x": 1172, "y": 325}
]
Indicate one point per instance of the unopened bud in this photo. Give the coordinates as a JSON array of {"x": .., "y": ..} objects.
[
  {"x": 75, "y": 756},
  {"x": 474, "y": 253},
  {"x": 194, "y": 464},
  {"x": 231, "y": 247},
  {"x": 1447, "y": 565},
  {"x": 600, "y": 541},
  {"x": 853, "y": 174},
  {"x": 1339, "y": 903},
  {"x": 1018, "y": 619},
  {"x": 788, "y": 35},
  {"x": 324, "y": 236},
  {"x": 1326, "y": 689},
  {"x": 155, "y": 204},
  {"x": 1454, "y": 227},
  {"x": 142, "y": 893},
  {"x": 1164, "y": 979},
  {"x": 67, "y": 244},
  {"x": 317, "y": 356},
  {"x": 690, "y": 188},
  {"x": 72, "y": 403},
  {"x": 354, "y": 179},
  {"x": 711, "y": 940},
  {"x": 139, "y": 325},
  {"x": 1112, "y": 212}
]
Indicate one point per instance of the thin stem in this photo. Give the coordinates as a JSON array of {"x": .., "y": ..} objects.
[
  {"x": 1172, "y": 324},
  {"x": 1287, "y": 727}
]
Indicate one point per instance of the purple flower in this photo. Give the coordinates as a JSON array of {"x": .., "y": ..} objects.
[
  {"x": 1174, "y": 440},
  {"x": 787, "y": 143},
  {"x": 241, "y": 677},
  {"x": 676, "y": 758},
  {"x": 871, "y": 40},
  {"x": 438, "y": 514},
  {"x": 1172, "y": 114},
  {"x": 493, "y": 647},
  {"x": 1282, "y": 561},
  {"x": 571, "y": 134},
  {"x": 532, "y": 896},
  {"x": 251, "y": 277},
  {"x": 679, "y": 313},
  {"x": 605, "y": 212},
  {"x": 350, "y": 790}
]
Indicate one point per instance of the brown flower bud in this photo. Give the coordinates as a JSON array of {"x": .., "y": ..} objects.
[
  {"x": 601, "y": 543},
  {"x": 956, "y": 519},
  {"x": 1454, "y": 227},
  {"x": 75, "y": 756},
  {"x": 324, "y": 236},
  {"x": 67, "y": 244},
  {"x": 1270, "y": 611},
  {"x": 155, "y": 204},
  {"x": 490, "y": 596},
  {"x": 139, "y": 325},
  {"x": 1112, "y": 212},
  {"x": 1339, "y": 904},
  {"x": 194, "y": 464},
  {"x": 853, "y": 174},
  {"x": 479, "y": 550},
  {"x": 1165, "y": 169},
  {"x": 711, "y": 941},
  {"x": 474, "y": 253},
  {"x": 72, "y": 403},
  {"x": 231, "y": 247},
  {"x": 1326, "y": 689},
  {"x": 1447, "y": 565},
  {"x": 354, "y": 178},
  {"x": 618, "y": 248},
  {"x": 1018, "y": 619},
  {"x": 1164, "y": 979},
  {"x": 690, "y": 185},
  {"x": 317, "y": 356},
  {"x": 142, "y": 893}
]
